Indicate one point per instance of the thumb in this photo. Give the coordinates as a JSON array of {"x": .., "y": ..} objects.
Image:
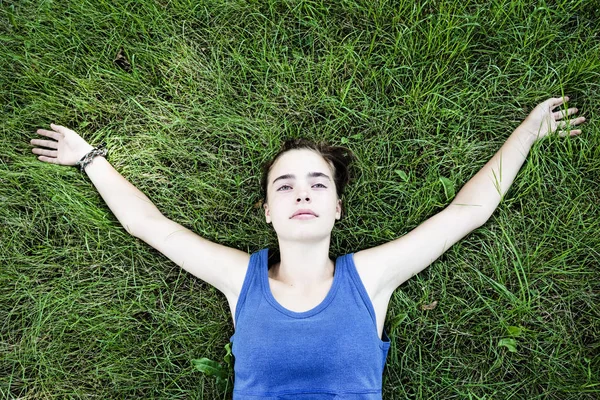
[
  {"x": 556, "y": 101},
  {"x": 57, "y": 128},
  {"x": 60, "y": 128}
]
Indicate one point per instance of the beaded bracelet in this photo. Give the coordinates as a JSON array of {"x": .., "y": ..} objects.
[{"x": 85, "y": 160}]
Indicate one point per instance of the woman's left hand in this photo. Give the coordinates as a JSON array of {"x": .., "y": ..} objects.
[{"x": 543, "y": 121}]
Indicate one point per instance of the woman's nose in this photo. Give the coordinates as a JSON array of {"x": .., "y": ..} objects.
[{"x": 303, "y": 195}]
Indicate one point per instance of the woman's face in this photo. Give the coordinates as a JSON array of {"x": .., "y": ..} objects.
[{"x": 302, "y": 180}]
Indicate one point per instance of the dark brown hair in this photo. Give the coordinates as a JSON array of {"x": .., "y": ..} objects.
[{"x": 338, "y": 157}]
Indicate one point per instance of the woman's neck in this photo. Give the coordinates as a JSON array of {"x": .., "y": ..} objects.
[{"x": 303, "y": 264}]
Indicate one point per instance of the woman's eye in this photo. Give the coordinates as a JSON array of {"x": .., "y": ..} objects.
[{"x": 288, "y": 186}]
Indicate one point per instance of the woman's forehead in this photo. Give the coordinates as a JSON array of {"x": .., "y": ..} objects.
[{"x": 300, "y": 161}]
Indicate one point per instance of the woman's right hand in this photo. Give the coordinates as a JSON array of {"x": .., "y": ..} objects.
[{"x": 66, "y": 149}]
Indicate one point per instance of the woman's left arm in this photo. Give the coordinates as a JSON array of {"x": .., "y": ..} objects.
[
  {"x": 484, "y": 191},
  {"x": 385, "y": 267}
]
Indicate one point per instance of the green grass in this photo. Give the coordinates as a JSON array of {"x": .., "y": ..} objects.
[{"x": 428, "y": 88}]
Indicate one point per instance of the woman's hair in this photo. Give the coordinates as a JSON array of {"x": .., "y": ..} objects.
[{"x": 339, "y": 158}]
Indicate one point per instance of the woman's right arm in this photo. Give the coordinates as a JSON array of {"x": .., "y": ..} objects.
[
  {"x": 218, "y": 265},
  {"x": 127, "y": 202},
  {"x": 221, "y": 266}
]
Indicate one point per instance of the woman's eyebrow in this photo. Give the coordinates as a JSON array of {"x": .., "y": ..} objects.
[{"x": 309, "y": 175}]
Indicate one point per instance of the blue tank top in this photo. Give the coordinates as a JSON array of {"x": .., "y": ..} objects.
[{"x": 332, "y": 351}]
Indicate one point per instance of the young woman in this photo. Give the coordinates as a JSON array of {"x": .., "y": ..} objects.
[{"x": 306, "y": 326}]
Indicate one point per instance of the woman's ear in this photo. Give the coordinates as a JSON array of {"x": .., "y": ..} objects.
[
  {"x": 338, "y": 210},
  {"x": 267, "y": 213}
]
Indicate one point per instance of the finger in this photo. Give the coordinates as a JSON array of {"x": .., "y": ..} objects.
[
  {"x": 45, "y": 143},
  {"x": 48, "y": 153},
  {"x": 573, "y": 132},
  {"x": 52, "y": 134},
  {"x": 556, "y": 101},
  {"x": 48, "y": 160},
  {"x": 577, "y": 121},
  {"x": 571, "y": 122},
  {"x": 60, "y": 128},
  {"x": 564, "y": 113}
]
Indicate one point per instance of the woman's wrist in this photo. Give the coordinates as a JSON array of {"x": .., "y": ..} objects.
[
  {"x": 86, "y": 151},
  {"x": 88, "y": 158},
  {"x": 526, "y": 135},
  {"x": 522, "y": 139},
  {"x": 94, "y": 163}
]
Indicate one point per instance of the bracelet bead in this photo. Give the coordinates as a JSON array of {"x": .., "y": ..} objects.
[{"x": 97, "y": 151}]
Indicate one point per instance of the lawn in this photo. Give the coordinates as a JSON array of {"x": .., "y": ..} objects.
[{"x": 191, "y": 98}]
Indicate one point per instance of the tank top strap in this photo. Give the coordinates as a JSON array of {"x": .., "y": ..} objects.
[
  {"x": 252, "y": 279},
  {"x": 347, "y": 260}
]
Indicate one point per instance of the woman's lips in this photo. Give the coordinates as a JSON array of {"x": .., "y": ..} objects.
[
  {"x": 304, "y": 211},
  {"x": 304, "y": 216}
]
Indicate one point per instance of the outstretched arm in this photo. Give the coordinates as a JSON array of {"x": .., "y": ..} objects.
[
  {"x": 221, "y": 266},
  {"x": 385, "y": 267},
  {"x": 482, "y": 193}
]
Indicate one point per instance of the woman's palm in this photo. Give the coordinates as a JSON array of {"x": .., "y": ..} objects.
[
  {"x": 543, "y": 120},
  {"x": 66, "y": 149}
]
